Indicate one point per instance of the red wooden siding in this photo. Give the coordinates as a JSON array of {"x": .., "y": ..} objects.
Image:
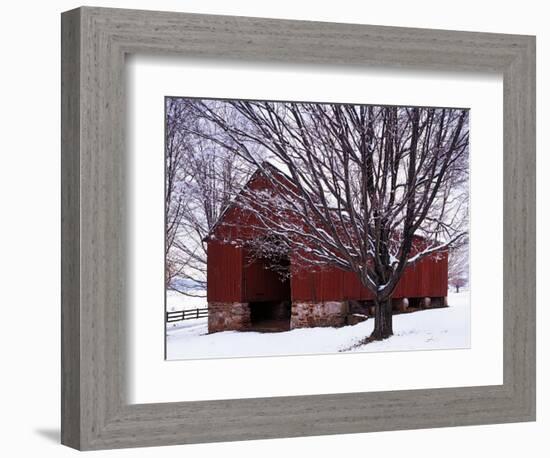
[
  {"x": 231, "y": 277},
  {"x": 427, "y": 278},
  {"x": 224, "y": 272}
]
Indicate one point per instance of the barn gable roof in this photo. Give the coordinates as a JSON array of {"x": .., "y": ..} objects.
[{"x": 260, "y": 171}]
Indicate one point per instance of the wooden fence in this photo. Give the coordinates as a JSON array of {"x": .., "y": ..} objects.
[{"x": 192, "y": 314}]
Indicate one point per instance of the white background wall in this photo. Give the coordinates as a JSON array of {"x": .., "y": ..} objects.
[{"x": 29, "y": 227}]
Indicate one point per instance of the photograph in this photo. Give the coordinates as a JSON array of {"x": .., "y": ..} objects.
[{"x": 295, "y": 228}]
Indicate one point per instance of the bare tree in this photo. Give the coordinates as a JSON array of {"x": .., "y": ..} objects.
[
  {"x": 177, "y": 142},
  {"x": 459, "y": 267},
  {"x": 201, "y": 180},
  {"x": 367, "y": 189}
]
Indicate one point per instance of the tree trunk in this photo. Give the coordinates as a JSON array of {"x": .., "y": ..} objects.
[
  {"x": 457, "y": 289},
  {"x": 383, "y": 319}
]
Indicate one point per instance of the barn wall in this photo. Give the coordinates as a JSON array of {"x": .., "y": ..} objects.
[
  {"x": 440, "y": 276},
  {"x": 224, "y": 273},
  {"x": 427, "y": 278},
  {"x": 412, "y": 283}
]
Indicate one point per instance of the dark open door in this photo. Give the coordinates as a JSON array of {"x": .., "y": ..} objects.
[{"x": 267, "y": 290}]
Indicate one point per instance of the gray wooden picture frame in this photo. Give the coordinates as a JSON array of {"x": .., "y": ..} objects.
[{"x": 95, "y": 411}]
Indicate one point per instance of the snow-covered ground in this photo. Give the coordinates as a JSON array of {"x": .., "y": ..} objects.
[
  {"x": 435, "y": 329},
  {"x": 176, "y": 301}
]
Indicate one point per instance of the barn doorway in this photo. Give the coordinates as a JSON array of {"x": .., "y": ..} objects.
[
  {"x": 268, "y": 294},
  {"x": 271, "y": 316}
]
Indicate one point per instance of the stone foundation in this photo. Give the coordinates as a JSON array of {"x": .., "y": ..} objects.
[
  {"x": 318, "y": 314},
  {"x": 228, "y": 316},
  {"x": 236, "y": 316}
]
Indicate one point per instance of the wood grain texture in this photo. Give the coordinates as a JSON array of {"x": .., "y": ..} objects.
[
  {"x": 70, "y": 229},
  {"x": 96, "y": 413}
]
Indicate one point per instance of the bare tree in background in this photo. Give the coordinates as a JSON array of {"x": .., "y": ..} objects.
[
  {"x": 459, "y": 267},
  {"x": 176, "y": 144},
  {"x": 201, "y": 180},
  {"x": 370, "y": 190}
]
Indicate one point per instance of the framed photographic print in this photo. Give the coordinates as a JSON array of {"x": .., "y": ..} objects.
[
  {"x": 355, "y": 217},
  {"x": 286, "y": 228}
]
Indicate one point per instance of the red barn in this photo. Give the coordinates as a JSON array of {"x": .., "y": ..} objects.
[{"x": 246, "y": 294}]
